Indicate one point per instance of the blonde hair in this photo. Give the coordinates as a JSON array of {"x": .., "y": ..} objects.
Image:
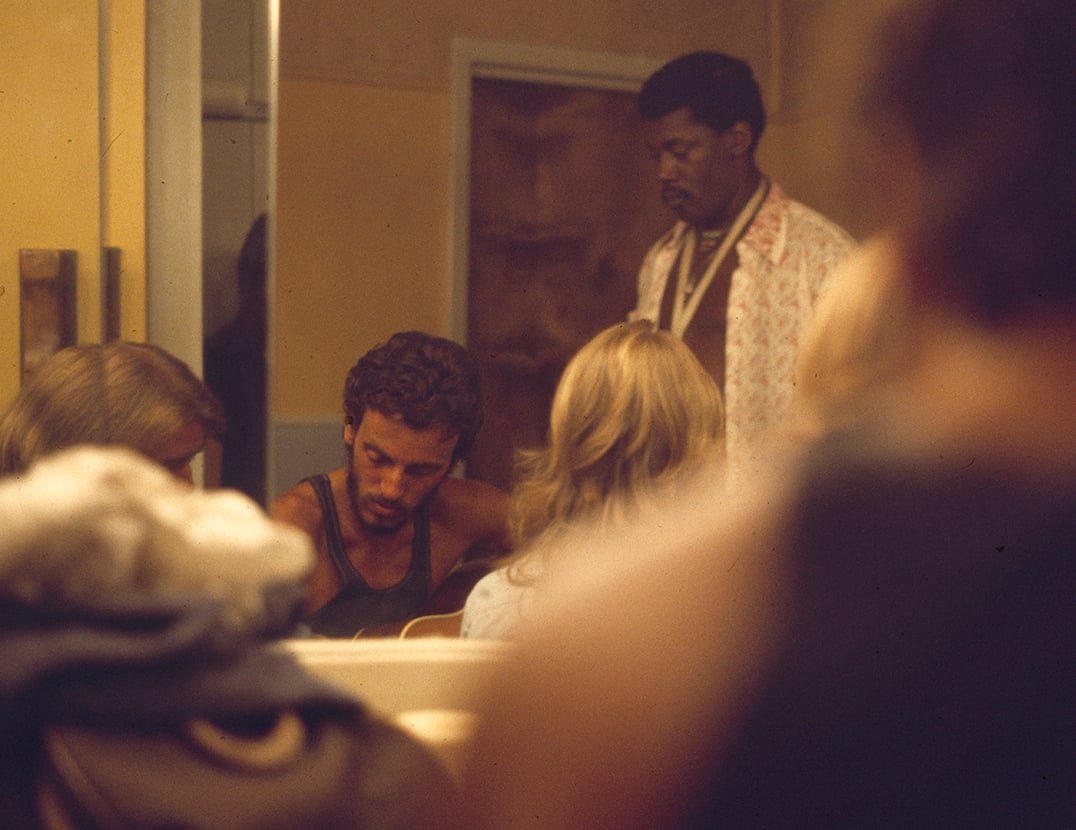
[
  {"x": 632, "y": 408},
  {"x": 858, "y": 339},
  {"x": 131, "y": 394}
]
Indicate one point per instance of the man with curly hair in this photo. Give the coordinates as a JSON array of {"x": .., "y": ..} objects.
[{"x": 392, "y": 524}]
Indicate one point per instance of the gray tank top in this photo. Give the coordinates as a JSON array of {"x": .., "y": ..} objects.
[{"x": 357, "y": 605}]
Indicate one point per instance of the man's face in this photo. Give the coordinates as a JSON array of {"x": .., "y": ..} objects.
[
  {"x": 700, "y": 170},
  {"x": 394, "y": 468}
]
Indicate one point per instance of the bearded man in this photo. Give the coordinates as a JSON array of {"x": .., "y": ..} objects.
[{"x": 392, "y": 524}]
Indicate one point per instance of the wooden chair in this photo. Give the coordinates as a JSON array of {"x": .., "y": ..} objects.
[{"x": 434, "y": 625}]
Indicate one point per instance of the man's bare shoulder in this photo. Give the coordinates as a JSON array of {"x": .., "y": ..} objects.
[
  {"x": 469, "y": 493},
  {"x": 299, "y": 507},
  {"x": 472, "y": 508}
]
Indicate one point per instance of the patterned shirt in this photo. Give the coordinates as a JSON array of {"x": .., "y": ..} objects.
[{"x": 782, "y": 262}]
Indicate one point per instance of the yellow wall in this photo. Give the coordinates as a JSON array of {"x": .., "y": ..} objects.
[
  {"x": 361, "y": 231},
  {"x": 49, "y": 132},
  {"x": 51, "y": 165}
]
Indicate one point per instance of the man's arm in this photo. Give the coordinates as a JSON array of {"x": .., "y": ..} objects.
[
  {"x": 299, "y": 507},
  {"x": 487, "y": 508},
  {"x": 472, "y": 517}
]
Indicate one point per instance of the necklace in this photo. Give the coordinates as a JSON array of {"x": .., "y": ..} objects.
[
  {"x": 689, "y": 291},
  {"x": 705, "y": 245}
]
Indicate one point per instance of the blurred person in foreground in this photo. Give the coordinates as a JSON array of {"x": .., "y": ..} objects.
[
  {"x": 142, "y": 682},
  {"x": 884, "y": 638},
  {"x": 633, "y": 411},
  {"x": 135, "y": 395},
  {"x": 390, "y": 526},
  {"x": 857, "y": 340}
]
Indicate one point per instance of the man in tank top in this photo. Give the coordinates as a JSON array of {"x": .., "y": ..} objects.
[{"x": 391, "y": 525}]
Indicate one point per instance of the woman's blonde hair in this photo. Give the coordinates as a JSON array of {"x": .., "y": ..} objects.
[
  {"x": 632, "y": 408},
  {"x": 133, "y": 394}
]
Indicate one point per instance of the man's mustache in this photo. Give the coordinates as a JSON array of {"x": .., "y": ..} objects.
[{"x": 669, "y": 193}]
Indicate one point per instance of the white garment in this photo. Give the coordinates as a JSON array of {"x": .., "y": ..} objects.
[
  {"x": 497, "y": 605},
  {"x": 785, "y": 257},
  {"x": 99, "y": 521}
]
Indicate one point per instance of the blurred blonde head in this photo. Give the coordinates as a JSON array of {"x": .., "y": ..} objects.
[
  {"x": 858, "y": 339},
  {"x": 131, "y": 394},
  {"x": 633, "y": 408}
]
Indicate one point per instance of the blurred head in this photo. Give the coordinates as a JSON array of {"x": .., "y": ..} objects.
[
  {"x": 972, "y": 104},
  {"x": 633, "y": 408},
  {"x": 857, "y": 340},
  {"x": 131, "y": 394},
  {"x": 127, "y": 529},
  {"x": 703, "y": 117}
]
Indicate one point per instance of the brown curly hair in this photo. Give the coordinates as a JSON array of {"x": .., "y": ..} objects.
[{"x": 422, "y": 379}]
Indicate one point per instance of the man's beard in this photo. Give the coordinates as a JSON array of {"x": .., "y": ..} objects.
[{"x": 353, "y": 498}]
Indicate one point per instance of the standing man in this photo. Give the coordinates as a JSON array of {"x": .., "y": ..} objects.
[
  {"x": 391, "y": 525},
  {"x": 737, "y": 277}
]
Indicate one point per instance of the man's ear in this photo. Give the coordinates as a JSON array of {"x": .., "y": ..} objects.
[
  {"x": 349, "y": 431},
  {"x": 740, "y": 138}
]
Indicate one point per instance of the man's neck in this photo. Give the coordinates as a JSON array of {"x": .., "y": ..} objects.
[{"x": 720, "y": 224}]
